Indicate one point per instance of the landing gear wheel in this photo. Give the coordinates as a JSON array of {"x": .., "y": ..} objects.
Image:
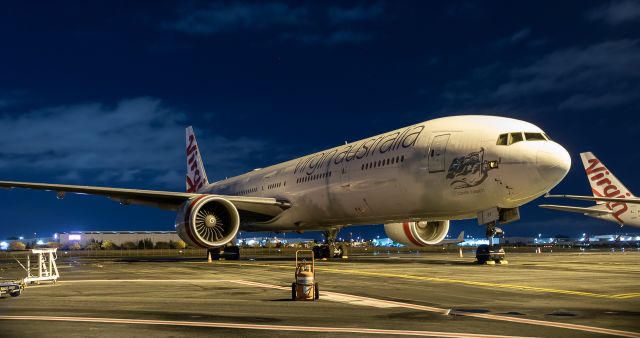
[
  {"x": 214, "y": 253},
  {"x": 482, "y": 253},
  {"x": 491, "y": 253},
  {"x": 325, "y": 252},
  {"x": 330, "y": 249},
  {"x": 232, "y": 253}
]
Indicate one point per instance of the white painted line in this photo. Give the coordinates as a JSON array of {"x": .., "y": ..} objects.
[
  {"x": 147, "y": 281},
  {"x": 353, "y": 299},
  {"x": 593, "y": 329},
  {"x": 315, "y": 329}
]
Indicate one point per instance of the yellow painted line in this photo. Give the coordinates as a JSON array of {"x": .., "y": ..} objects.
[
  {"x": 628, "y": 295},
  {"x": 449, "y": 280}
]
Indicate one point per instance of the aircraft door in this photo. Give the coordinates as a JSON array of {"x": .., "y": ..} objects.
[
  {"x": 437, "y": 153},
  {"x": 345, "y": 181}
]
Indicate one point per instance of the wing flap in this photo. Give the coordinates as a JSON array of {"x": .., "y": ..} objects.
[{"x": 580, "y": 210}]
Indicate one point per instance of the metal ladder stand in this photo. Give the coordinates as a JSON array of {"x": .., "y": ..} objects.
[{"x": 47, "y": 268}]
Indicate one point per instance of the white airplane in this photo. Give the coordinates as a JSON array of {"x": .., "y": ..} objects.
[
  {"x": 615, "y": 203},
  {"x": 414, "y": 180}
]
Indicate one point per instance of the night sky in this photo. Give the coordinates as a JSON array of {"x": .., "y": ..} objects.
[{"x": 99, "y": 92}]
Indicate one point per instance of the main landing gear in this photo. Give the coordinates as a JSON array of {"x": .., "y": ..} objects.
[
  {"x": 491, "y": 253},
  {"x": 330, "y": 249},
  {"x": 229, "y": 252}
]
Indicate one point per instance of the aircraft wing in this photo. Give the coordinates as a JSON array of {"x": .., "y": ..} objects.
[
  {"x": 597, "y": 199},
  {"x": 576, "y": 209},
  {"x": 161, "y": 199}
]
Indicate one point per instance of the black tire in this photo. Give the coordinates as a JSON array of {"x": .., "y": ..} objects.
[
  {"x": 316, "y": 252},
  {"x": 232, "y": 253},
  {"x": 316, "y": 291},
  {"x": 293, "y": 291},
  {"x": 482, "y": 253},
  {"x": 15, "y": 293},
  {"x": 326, "y": 252},
  {"x": 215, "y": 254}
]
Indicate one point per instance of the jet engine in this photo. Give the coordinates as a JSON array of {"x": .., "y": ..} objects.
[
  {"x": 417, "y": 233},
  {"x": 207, "y": 221}
]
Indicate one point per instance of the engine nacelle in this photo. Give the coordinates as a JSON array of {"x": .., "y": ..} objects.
[
  {"x": 417, "y": 233},
  {"x": 207, "y": 221}
]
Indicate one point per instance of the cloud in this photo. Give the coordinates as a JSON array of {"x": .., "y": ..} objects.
[
  {"x": 520, "y": 35},
  {"x": 582, "y": 101},
  {"x": 341, "y": 15},
  {"x": 513, "y": 39},
  {"x": 606, "y": 70},
  {"x": 223, "y": 17},
  {"x": 133, "y": 140},
  {"x": 347, "y": 36},
  {"x": 303, "y": 24},
  {"x": 616, "y": 12},
  {"x": 332, "y": 38},
  {"x": 11, "y": 98}
]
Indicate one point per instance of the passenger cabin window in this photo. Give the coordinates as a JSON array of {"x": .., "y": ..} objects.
[
  {"x": 534, "y": 137},
  {"x": 503, "y": 139},
  {"x": 515, "y": 137}
]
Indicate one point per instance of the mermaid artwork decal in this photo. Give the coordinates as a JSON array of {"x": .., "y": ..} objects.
[{"x": 469, "y": 170}]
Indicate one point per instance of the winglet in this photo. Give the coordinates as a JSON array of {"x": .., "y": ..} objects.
[
  {"x": 196, "y": 176},
  {"x": 461, "y": 236}
]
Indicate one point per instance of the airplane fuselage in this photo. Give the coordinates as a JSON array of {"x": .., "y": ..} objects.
[{"x": 443, "y": 169}]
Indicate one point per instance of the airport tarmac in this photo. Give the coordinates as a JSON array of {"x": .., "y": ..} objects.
[{"x": 427, "y": 294}]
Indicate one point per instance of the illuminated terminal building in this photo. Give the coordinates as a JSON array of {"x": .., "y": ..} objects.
[{"x": 116, "y": 237}]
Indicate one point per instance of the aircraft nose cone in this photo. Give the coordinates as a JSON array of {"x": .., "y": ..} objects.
[{"x": 553, "y": 163}]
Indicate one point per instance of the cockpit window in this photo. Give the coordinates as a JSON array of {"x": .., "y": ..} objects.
[
  {"x": 502, "y": 139},
  {"x": 534, "y": 137},
  {"x": 515, "y": 137},
  {"x": 511, "y": 138}
]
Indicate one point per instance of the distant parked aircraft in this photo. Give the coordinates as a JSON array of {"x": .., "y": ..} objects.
[{"x": 614, "y": 202}]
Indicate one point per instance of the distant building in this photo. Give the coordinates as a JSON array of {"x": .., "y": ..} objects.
[
  {"x": 517, "y": 240},
  {"x": 116, "y": 237}
]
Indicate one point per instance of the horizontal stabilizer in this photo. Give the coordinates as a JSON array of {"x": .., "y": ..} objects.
[
  {"x": 598, "y": 199},
  {"x": 590, "y": 211}
]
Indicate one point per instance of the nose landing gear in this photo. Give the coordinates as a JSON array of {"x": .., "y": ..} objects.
[{"x": 491, "y": 254}]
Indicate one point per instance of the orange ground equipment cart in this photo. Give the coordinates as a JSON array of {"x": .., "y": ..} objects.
[{"x": 305, "y": 286}]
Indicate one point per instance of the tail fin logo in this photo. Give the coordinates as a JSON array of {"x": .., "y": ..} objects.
[
  {"x": 194, "y": 179},
  {"x": 602, "y": 186},
  {"x": 196, "y": 176}
]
